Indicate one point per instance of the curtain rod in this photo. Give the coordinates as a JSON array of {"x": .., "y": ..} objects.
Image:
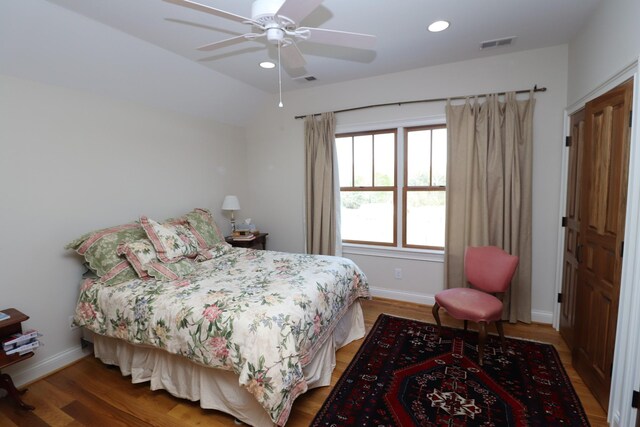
[{"x": 535, "y": 89}]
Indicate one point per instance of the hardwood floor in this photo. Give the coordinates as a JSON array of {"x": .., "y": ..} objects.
[{"x": 89, "y": 393}]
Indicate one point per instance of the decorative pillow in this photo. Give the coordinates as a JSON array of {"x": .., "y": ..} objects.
[
  {"x": 143, "y": 257},
  {"x": 99, "y": 249},
  {"x": 172, "y": 271},
  {"x": 204, "y": 228},
  {"x": 214, "y": 252},
  {"x": 171, "y": 241},
  {"x": 139, "y": 254}
]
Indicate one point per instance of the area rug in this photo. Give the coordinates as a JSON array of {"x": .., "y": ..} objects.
[{"x": 405, "y": 375}]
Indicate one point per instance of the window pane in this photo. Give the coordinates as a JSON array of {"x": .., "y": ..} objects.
[
  {"x": 367, "y": 216},
  {"x": 439, "y": 153},
  {"x": 418, "y": 157},
  {"x": 345, "y": 161},
  {"x": 385, "y": 159},
  {"x": 363, "y": 164},
  {"x": 425, "y": 218}
]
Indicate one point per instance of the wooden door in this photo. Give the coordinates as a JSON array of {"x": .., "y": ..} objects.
[
  {"x": 603, "y": 188},
  {"x": 572, "y": 229}
]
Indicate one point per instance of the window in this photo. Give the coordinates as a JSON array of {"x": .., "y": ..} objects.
[
  {"x": 372, "y": 176},
  {"x": 367, "y": 167},
  {"x": 424, "y": 194}
]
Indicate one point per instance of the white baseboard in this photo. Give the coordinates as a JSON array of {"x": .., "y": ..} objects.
[
  {"x": 615, "y": 420},
  {"x": 403, "y": 296},
  {"x": 540, "y": 316},
  {"x": 537, "y": 316},
  {"x": 45, "y": 367}
]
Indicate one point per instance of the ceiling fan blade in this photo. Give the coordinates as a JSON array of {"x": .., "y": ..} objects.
[
  {"x": 297, "y": 10},
  {"x": 296, "y": 73},
  {"x": 213, "y": 11},
  {"x": 227, "y": 42},
  {"x": 292, "y": 57},
  {"x": 339, "y": 38}
]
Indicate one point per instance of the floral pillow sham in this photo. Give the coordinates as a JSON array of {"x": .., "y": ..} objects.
[
  {"x": 143, "y": 257},
  {"x": 204, "y": 228},
  {"x": 99, "y": 249},
  {"x": 171, "y": 241},
  {"x": 193, "y": 234}
]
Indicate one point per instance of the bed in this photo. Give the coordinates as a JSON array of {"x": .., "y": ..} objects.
[{"x": 242, "y": 331}]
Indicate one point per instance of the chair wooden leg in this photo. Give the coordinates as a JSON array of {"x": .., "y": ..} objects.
[
  {"x": 481, "y": 340},
  {"x": 434, "y": 311},
  {"x": 466, "y": 325},
  {"x": 500, "y": 329}
]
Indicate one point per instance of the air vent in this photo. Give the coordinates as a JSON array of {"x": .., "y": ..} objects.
[
  {"x": 302, "y": 79},
  {"x": 496, "y": 43}
]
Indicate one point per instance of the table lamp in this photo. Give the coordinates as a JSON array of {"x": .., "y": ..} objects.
[{"x": 231, "y": 203}]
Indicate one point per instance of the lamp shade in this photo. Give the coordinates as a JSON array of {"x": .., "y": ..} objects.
[{"x": 231, "y": 203}]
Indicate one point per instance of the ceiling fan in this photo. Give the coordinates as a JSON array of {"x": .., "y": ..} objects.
[{"x": 277, "y": 21}]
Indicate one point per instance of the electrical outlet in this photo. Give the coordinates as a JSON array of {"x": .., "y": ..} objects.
[
  {"x": 72, "y": 326},
  {"x": 397, "y": 273}
]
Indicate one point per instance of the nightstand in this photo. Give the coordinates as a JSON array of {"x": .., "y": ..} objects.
[
  {"x": 10, "y": 326},
  {"x": 259, "y": 242}
]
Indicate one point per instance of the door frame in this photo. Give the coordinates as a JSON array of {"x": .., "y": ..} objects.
[{"x": 626, "y": 375}]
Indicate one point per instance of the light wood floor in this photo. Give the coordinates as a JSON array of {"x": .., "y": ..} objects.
[{"x": 89, "y": 393}]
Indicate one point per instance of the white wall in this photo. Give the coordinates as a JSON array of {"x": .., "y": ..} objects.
[
  {"x": 605, "y": 45},
  {"x": 276, "y": 147},
  {"x": 72, "y": 162},
  {"x": 603, "y": 48}
]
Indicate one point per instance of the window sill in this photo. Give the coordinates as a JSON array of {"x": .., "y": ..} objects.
[{"x": 393, "y": 252}]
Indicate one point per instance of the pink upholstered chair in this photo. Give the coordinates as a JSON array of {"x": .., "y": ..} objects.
[{"x": 489, "y": 271}]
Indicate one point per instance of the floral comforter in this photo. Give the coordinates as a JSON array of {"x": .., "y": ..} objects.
[{"x": 261, "y": 314}]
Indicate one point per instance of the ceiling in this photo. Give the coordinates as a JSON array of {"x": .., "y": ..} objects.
[{"x": 403, "y": 41}]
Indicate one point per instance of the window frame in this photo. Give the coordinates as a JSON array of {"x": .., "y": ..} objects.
[
  {"x": 418, "y": 188},
  {"x": 393, "y": 189}
]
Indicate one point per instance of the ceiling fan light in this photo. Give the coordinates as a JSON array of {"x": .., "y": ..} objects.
[
  {"x": 275, "y": 34},
  {"x": 267, "y": 65},
  {"x": 438, "y": 26}
]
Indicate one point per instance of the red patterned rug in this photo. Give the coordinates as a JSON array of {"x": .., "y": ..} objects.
[{"x": 404, "y": 375}]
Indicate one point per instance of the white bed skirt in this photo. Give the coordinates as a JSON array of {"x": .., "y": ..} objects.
[{"x": 216, "y": 388}]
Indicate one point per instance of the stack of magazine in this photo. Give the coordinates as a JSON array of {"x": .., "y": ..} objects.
[
  {"x": 244, "y": 238},
  {"x": 243, "y": 235},
  {"x": 21, "y": 343}
]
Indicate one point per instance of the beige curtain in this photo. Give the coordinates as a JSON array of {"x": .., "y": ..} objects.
[
  {"x": 321, "y": 186},
  {"x": 489, "y": 189}
]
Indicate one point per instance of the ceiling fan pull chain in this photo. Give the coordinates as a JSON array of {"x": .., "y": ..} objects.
[{"x": 280, "y": 75}]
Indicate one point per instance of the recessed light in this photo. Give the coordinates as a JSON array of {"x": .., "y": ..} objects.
[
  {"x": 267, "y": 64},
  {"x": 438, "y": 26}
]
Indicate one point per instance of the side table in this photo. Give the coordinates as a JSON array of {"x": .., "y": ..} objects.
[
  {"x": 258, "y": 242},
  {"x": 8, "y": 327}
]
